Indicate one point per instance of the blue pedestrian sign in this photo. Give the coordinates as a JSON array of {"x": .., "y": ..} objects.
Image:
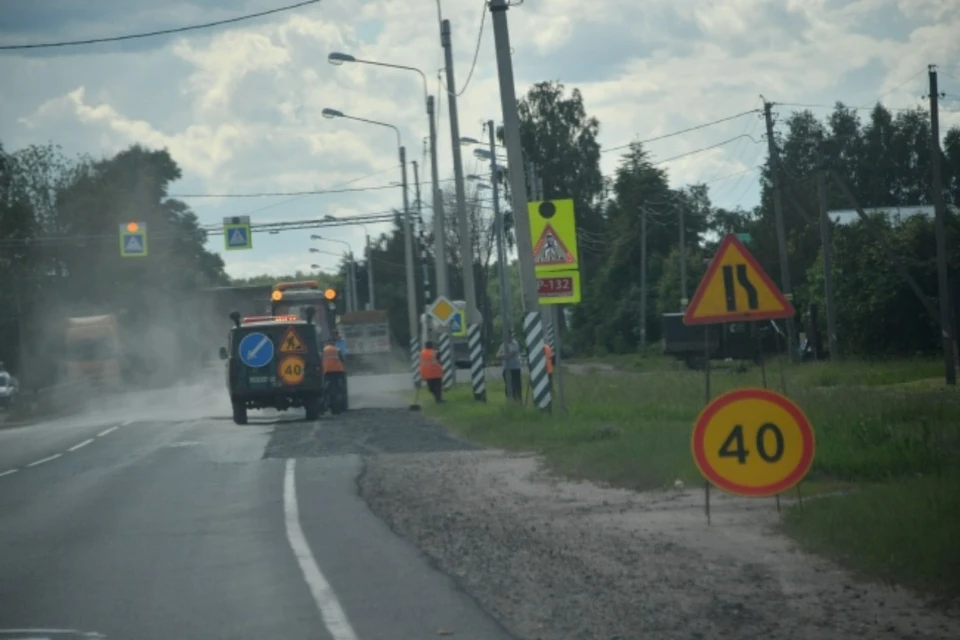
[
  {"x": 256, "y": 350},
  {"x": 133, "y": 240},
  {"x": 458, "y": 328},
  {"x": 236, "y": 233}
]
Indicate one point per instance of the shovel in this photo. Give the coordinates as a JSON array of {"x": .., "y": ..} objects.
[{"x": 415, "y": 406}]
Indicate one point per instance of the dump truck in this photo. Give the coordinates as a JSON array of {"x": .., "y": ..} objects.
[{"x": 92, "y": 352}]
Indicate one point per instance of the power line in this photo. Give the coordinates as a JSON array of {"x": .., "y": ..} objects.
[
  {"x": 682, "y": 131},
  {"x": 702, "y": 149},
  {"x": 280, "y": 194},
  {"x": 150, "y": 34},
  {"x": 476, "y": 51}
]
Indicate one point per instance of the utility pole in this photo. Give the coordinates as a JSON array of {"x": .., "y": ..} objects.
[
  {"x": 506, "y": 313},
  {"x": 373, "y": 304},
  {"x": 781, "y": 230},
  {"x": 533, "y": 321},
  {"x": 466, "y": 244},
  {"x": 643, "y": 277},
  {"x": 439, "y": 232},
  {"x": 943, "y": 285},
  {"x": 827, "y": 249},
  {"x": 408, "y": 258},
  {"x": 423, "y": 255},
  {"x": 683, "y": 259}
]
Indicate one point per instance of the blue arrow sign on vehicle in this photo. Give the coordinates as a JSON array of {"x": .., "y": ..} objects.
[{"x": 256, "y": 350}]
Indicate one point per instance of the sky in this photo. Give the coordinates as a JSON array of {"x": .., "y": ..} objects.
[{"x": 239, "y": 105}]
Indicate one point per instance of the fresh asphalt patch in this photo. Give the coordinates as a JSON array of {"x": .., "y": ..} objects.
[{"x": 361, "y": 432}]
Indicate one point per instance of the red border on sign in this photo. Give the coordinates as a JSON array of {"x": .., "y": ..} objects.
[
  {"x": 303, "y": 365},
  {"x": 699, "y": 432},
  {"x": 731, "y": 239}
]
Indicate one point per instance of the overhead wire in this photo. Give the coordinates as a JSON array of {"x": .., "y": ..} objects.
[
  {"x": 150, "y": 34},
  {"x": 313, "y": 192},
  {"x": 682, "y": 131},
  {"x": 476, "y": 54}
]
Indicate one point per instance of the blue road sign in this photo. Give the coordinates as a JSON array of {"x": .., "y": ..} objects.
[
  {"x": 256, "y": 350},
  {"x": 238, "y": 237},
  {"x": 457, "y": 325}
]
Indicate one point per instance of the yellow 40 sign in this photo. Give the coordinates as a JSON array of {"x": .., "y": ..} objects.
[{"x": 753, "y": 442}]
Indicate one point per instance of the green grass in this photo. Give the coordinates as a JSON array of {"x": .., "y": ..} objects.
[{"x": 878, "y": 427}]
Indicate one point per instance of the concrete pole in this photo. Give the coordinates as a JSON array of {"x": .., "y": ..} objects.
[
  {"x": 827, "y": 250},
  {"x": 463, "y": 222},
  {"x": 439, "y": 227},
  {"x": 373, "y": 303},
  {"x": 408, "y": 242},
  {"x": 506, "y": 313}
]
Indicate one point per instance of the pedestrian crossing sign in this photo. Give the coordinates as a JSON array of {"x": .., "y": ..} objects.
[
  {"x": 553, "y": 232},
  {"x": 236, "y": 233},
  {"x": 133, "y": 240},
  {"x": 458, "y": 325}
]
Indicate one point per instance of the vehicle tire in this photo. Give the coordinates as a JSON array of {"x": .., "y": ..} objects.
[
  {"x": 313, "y": 407},
  {"x": 239, "y": 413}
]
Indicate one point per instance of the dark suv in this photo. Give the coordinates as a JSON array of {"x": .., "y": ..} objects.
[{"x": 273, "y": 363}]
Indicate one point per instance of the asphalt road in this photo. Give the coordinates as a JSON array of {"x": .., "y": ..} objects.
[{"x": 158, "y": 518}]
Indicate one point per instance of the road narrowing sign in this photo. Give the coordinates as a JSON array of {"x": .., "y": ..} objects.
[
  {"x": 553, "y": 231},
  {"x": 133, "y": 240},
  {"x": 442, "y": 310},
  {"x": 292, "y": 370},
  {"x": 236, "y": 233},
  {"x": 736, "y": 289},
  {"x": 292, "y": 343},
  {"x": 753, "y": 443},
  {"x": 559, "y": 287}
]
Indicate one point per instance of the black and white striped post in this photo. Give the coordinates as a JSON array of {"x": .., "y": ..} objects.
[
  {"x": 537, "y": 359},
  {"x": 446, "y": 360},
  {"x": 478, "y": 375},
  {"x": 415, "y": 361}
]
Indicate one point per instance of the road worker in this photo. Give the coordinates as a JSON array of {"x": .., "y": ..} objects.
[
  {"x": 431, "y": 371},
  {"x": 548, "y": 352},
  {"x": 334, "y": 367},
  {"x": 512, "y": 379}
]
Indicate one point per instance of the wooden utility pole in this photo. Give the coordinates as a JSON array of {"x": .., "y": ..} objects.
[
  {"x": 827, "y": 250},
  {"x": 785, "y": 284},
  {"x": 943, "y": 285}
]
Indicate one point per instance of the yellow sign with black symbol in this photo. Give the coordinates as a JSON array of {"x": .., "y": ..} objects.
[
  {"x": 292, "y": 343},
  {"x": 553, "y": 231},
  {"x": 292, "y": 370}
]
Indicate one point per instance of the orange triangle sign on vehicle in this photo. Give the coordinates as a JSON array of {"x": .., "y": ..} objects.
[
  {"x": 736, "y": 289},
  {"x": 550, "y": 249},
  {"x": 292, "y": 343}
]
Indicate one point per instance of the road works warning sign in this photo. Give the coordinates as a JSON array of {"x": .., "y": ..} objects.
[
  {"x": 292, "y": 343},
  {"x": 553, "y": 231}
]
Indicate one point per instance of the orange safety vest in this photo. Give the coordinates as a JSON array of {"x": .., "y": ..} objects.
[
  {"x": 430, "y": 368},
  {"x": 548, "y": 351},
  {"x": 331, "y": 360}
]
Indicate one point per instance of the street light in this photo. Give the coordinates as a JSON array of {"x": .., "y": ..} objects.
[
  {"x": 371, "y": 303},
  {"x": 407, "y": 234},
  {"x": 337, "y": 58}
]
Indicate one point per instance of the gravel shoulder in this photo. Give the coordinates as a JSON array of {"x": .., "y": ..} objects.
[{"x": 554, "y": 559}]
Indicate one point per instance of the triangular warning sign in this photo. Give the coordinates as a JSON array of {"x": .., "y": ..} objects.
[
  {"x": 133, "y": 245},
  {"x": 736, "y": 289},
  {"x": 550, "y": 249},
  {"x": 238, "y": 237},
  {"x": 292, "y": 343}
]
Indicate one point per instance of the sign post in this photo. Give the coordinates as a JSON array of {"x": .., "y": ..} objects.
[
  {"x": 133, "y": 240},
  {"x": 445, "y": 313},
  {"x": 237, "y": 234},
  {"x": 749, "y": 442}
]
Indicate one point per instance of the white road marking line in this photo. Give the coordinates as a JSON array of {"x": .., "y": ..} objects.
[
  {"x": 80, "y": 445},
  {"x": 106, "y": 431},
  {"x": 127, "y": 423},
  {"x": 53, "y": 457},
  {"x": 8, "y": 473},
  {"x": 332, "y": 613}
]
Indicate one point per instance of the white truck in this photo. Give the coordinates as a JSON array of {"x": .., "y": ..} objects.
[{"x": 367, "y": 338}]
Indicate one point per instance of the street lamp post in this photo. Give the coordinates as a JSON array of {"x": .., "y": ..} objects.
[
  {"x": 408, "y": 237},
  {"x": 352, "y": 294},
  {"x": 440, "y": 247},
  {"x": 368, "y": 254}
]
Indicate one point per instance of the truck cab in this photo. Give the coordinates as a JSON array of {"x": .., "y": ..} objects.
[{"x": 92, "y": 353}]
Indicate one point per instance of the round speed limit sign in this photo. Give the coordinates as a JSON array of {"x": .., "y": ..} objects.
[
  {"x": 753, "y": 443},
  {"x": 292, "y": 370}
]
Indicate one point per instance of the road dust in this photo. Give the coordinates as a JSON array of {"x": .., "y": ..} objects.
[{"x": 556, "y": 560}]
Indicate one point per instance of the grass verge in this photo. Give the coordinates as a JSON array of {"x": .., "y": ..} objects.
[{"x": 884, "y": 428}]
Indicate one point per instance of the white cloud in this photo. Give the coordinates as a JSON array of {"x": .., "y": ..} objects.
[{"x": 239, "y": 107}]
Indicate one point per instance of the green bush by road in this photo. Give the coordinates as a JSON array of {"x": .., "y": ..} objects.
[{"x": 887, "y": 428}]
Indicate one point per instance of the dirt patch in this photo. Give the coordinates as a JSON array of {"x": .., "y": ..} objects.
[{"x": 557, "y": 560}]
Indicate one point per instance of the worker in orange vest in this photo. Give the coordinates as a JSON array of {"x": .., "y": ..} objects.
[
  {"x": 548, "y": 352},
  {"x": 334, "y": 369},
  {"x": 431, "y": 370}
]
